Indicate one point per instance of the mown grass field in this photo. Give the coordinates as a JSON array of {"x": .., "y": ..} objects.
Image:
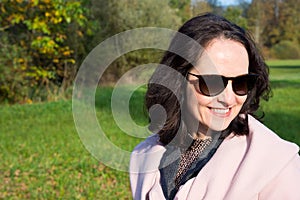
[
  {"x": 282, "y": 112},
  {"x": 42, "y": 156}
]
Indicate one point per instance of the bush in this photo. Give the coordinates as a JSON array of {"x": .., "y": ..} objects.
[
  {"x": 19, "y": 80},
  {"x": 285, "y": 50},
  {"x": 41, "y": 43},
  {"x": 14, "y": 86}
]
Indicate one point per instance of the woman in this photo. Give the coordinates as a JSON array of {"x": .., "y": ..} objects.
[{"x": 208, "y": 143}]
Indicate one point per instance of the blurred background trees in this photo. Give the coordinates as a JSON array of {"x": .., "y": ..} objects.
[
  {"x": 276, "y": 26},
  {"x": 115, "y": 16},
  {"x": 43, "y": 42}
]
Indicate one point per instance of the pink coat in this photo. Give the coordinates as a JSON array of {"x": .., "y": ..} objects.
[{"x": 259, "y": 166}]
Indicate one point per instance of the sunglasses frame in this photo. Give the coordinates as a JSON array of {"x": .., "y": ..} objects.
[{"x": 250, "y": 83}]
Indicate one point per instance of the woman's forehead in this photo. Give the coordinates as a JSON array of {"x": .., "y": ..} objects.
[{"x": 223, "y": 56}]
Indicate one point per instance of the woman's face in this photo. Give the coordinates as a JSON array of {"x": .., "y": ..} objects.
[{"x": 222, "y": 57}]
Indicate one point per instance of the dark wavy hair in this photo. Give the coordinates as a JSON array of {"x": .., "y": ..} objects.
[{"x": 202, "y": 29}]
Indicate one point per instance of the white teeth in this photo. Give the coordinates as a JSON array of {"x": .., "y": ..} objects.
[{"x": 220, "y": 111}]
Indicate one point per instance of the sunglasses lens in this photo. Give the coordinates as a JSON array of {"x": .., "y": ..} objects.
[
  {"x": 243, "y": 84},
  {"x": 240, "y": 85},
  {"x": 211, "y": 85}
]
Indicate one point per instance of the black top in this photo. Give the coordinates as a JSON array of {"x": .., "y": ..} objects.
[{"x": 170, "y": 179}]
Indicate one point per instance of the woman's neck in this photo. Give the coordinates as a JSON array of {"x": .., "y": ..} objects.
[{"x": 203, "y": 133}]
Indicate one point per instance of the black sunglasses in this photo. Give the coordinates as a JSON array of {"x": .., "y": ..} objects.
[{"x": 212, "y": 85}]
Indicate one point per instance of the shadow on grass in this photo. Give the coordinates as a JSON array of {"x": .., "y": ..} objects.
[
  {"x": 103, "y": 98},
  {"x": 136, "y": 105},
  {"x": 285, "y": 83},
  {"x": 286, "y": 67},
  {"x": 286, "y": 125}
]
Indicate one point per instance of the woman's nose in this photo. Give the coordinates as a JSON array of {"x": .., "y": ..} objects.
[{"x": 227, "y": 97}]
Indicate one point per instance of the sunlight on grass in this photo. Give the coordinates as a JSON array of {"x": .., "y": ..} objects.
[
  {"x": 283, "y": 109},
  {"x": 43, "y": 157},
  {"x": 283, "y": 63}
]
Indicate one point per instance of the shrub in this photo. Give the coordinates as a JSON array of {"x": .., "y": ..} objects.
[
  {"x": 14, "y": 86},
  {"x": 286, "y": 50}
]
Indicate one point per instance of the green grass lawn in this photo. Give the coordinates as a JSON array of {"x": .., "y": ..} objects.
[
  {"x": 283, "y": 110},
  {"x": 42, "y": 156}
]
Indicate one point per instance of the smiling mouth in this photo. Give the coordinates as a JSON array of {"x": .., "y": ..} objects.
[{"x": 221, "y": 111}]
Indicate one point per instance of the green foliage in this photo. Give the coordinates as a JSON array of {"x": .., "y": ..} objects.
[
  {"x": 42, "y": 29},
  {"x": 14, "y": 87},
  {"x": 182, "y": 8},
  {"x": 286, "y": 50},
  {"x": 273, "y": 21},
  {"x": 129, "y": 14},
  {"x": 43, "y": 42},
  {"x": 289, "y": 21},
  {"x": 234, "y": 14},
  {"x": 200, "y": 7}
]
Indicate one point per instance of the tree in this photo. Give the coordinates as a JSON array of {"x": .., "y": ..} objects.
[
  {"x": 182, "y": 8},
  {"x": 271, "y": 31},
  {"x": 201, "y": 7},
  {"x": 116, "y": 16},
  {"x": 274, "y": 21},
  {"x": 289, "y": 21},
  {"x": 234, "y": 14},
  {"x": 256, "y": 20},
  {"x": 42, "y": 30}
]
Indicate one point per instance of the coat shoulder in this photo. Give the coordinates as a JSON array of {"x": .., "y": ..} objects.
[{"x": 148, "y": 145}]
